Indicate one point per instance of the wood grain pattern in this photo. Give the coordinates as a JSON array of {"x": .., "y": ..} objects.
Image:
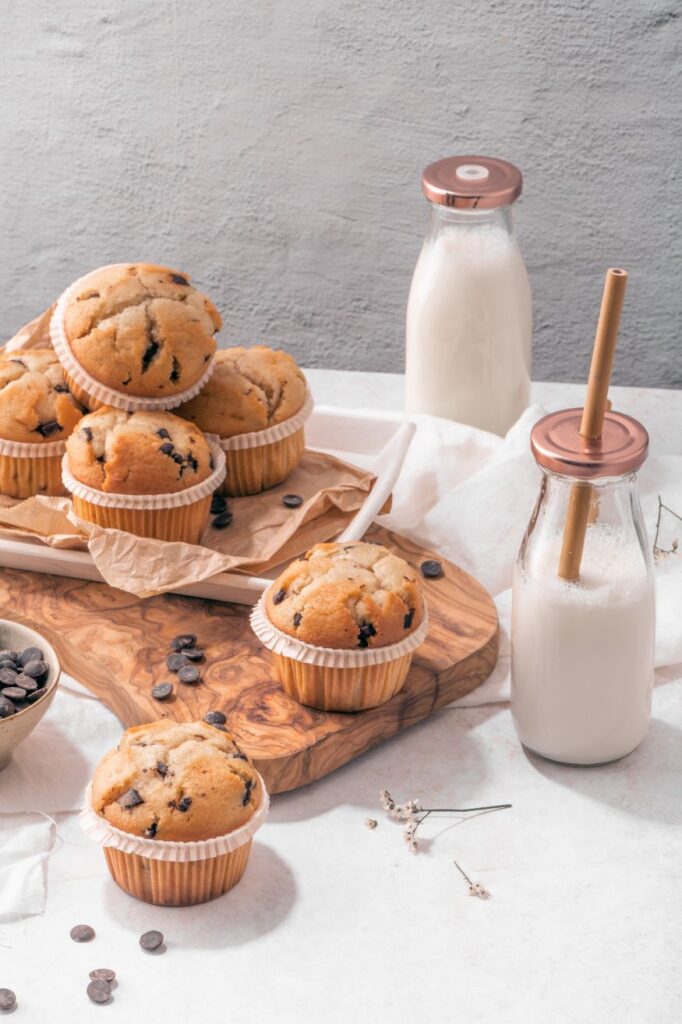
[{"x": 116, "y": 645}]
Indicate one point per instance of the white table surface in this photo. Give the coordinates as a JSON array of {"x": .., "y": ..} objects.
[{"x": 336, "y": 923}]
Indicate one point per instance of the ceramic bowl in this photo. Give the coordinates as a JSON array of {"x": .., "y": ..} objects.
[{"x": 16, "y": 728}]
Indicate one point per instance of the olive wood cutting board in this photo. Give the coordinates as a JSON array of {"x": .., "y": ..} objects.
[{"x": 116, "y": 645}]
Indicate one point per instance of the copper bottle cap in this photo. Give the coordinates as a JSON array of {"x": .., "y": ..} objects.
[
  {"x": 472, "y": 182},
  {"x": 556, "y": 443}
]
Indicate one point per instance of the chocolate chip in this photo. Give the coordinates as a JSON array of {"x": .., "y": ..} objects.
[
  {"x": 177, "y": 459},
  {"x": 431, "y": 569},
  {"x": 192, "y": 461},
  {"x": 297, "y": 619},
  {"x": 103, "y": 974},
  {"x": 151, "y": 941},
  {"x": 13, "y": 693},
  {"x": 27, "y": 683},
  {"x": 162, "y": 769},
  {"x": 150, "y": 832},
  {"x": 62, "y": 389},
  {"x": 82, "y": 933},
  {"x": 182, "y": 640},
  {"x": 223, "y": 520},
  {"x": 175, "y": 662},
  {"x": 8, "y": 1000},
  {"x": 238, "y": 756},
  {"x": 130, "y": 799},
  {"x": 185, "y": 803},
  {"x": 215, "y": 718},
  {"x": 6, "y": 655},
  {"x": 162, "y": 432},
  {"x": 99, "y": 991},
  {"x": 49, "y": 428},
  {"x": 7, "y": 708},
  {"x": 167, "y": 448},
  {"x": 193, "y": 653},
  {"x": 218, "y": 504},
  {"x": 35, "y": 669},
  {"x": 36, "y": 695},
  {"x": 162, "y": 691},
  {"x": 101, "y": 459},
  {"x": 30, "y": 654},
  {"x": 8, "y": 676},
  {"x": 189, "y": 674},
  {"x": 407, "y": 621},
  {"x": 292, "y": 500},
  {"x": 246, "y": 795},
  {"x": 174, "y": 375},
  {"x": 279, "y": 596},
  {"x": 179, "y": 279}
]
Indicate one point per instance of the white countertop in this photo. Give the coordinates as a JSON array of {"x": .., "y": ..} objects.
[{"x": 336, "y": 923}]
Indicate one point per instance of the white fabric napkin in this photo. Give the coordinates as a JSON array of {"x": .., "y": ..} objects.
[
  {"x": 469, "y": 495},
  {"x": 26, "y": 841}
]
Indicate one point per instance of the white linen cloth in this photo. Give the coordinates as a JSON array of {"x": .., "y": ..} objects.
[{"x": 464, "y": 493}]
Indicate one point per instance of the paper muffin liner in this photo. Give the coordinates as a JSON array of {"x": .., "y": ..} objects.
[
  {"x": 181, "y": 516},
  {"x": 170, "y": 873},
  {"x": 337, "y": 680},
  {"x": 28, "y": 468},
  {"x": 93, "y": 393},
  {"x": 264, "y": 458}
]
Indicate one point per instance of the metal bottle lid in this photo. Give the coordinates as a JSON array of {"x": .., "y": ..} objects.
[
  {"x": 472, "y": 182},
  {"x": 557, "y": 445}
]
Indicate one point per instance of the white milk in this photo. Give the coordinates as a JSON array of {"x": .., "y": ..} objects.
[
  {"x": 583, "y": 653},
  {"x": 469, "y": 326}
]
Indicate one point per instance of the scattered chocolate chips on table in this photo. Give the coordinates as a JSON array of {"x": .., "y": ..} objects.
[
  {"x": 431, "y": 569},
  {"x": 82, "y": 933},
  {"x": 189, "y": 674},
  {"x": 151, "y": 940},
  {"x": 99, "y": 991},
  {"x": 292, "y": 500},
  {"x": 193, "y": 653},
  {"x": 218, "y": 504},
  {"x": 103, "y": 974},
  {"x": 182, "y": 640},
  {"x": 8, "y": 1000},
  {"x": 176, "y": 661},
  {"x": 162, "y": 691},
  {"x": 215, "y": 718},
  {"x": 223, "y": 520}
]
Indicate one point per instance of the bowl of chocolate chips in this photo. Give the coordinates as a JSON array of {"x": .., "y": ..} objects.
[{"x": 29, "y": 674}]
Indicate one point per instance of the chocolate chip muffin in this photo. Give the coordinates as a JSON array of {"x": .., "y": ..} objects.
[
  {"x": 347, "y": 596},
  {"x": 140, "y": 330},
  {"x": 138, "y": 452},
  {"x": 250, "y": 389},
  {"x": 180, "y": 781},
  {"x": 36, "y": 404}
]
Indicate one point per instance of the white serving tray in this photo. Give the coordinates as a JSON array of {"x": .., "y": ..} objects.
[{"x": 375, "y": 441}]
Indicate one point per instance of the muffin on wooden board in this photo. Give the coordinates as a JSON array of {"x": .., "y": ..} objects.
[
  {"x": 256, "y": 401},
  {"x": 150, "y": 473},
  {"x": 168, "y": 784},
  {"x": 135, "y": 336},
  {"x": 347, "y": 618},
  {"x": 37, "y": 414}
]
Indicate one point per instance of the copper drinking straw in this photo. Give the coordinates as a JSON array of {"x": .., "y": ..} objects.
[{"x": 580, "y": 498}]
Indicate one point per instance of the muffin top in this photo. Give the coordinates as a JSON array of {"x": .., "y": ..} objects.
[
  {"x": 35, "y": 402},
  {"x": 346, "y": 595},
  {"x": 178, "y": 781},
  {"x": 249, "y": 389},
  {"x": 138, "y": 452},
  {"x": 142, "y": 330}
]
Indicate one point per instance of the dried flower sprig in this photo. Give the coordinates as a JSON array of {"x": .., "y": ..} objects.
[
  {"x": 414, "y": 814},
  {"x": 660, "y": 552},
  {"x": 475, "y": 888}
]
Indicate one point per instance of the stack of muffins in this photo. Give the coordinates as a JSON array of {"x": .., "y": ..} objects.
[{"x": 91, "y": 417}]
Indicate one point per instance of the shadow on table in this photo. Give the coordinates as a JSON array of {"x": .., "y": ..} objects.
[
  {"x": 31, "y": 782},
  {"x": 645, "y": 784},
  {"x": 256, "y": 906},
  {"x": 438, "y": 761}
]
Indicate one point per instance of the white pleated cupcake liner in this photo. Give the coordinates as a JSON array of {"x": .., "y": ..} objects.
[
  {"x": 259, "y": 438},
  {"x": 275, "y": 640},
  {"x": 109, "y": 499},
  {"x": 101, "y": 832},
  {"x": 32, "y": 449},
  {"x": 94, "y": 388}
]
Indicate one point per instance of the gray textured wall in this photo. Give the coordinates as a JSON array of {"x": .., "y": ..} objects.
[{"x": 273, "y": 150}]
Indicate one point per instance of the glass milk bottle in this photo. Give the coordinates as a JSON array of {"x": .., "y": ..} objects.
[
  {"x": 583, "y": 651},
  {"x": 469, "y": 314}
]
